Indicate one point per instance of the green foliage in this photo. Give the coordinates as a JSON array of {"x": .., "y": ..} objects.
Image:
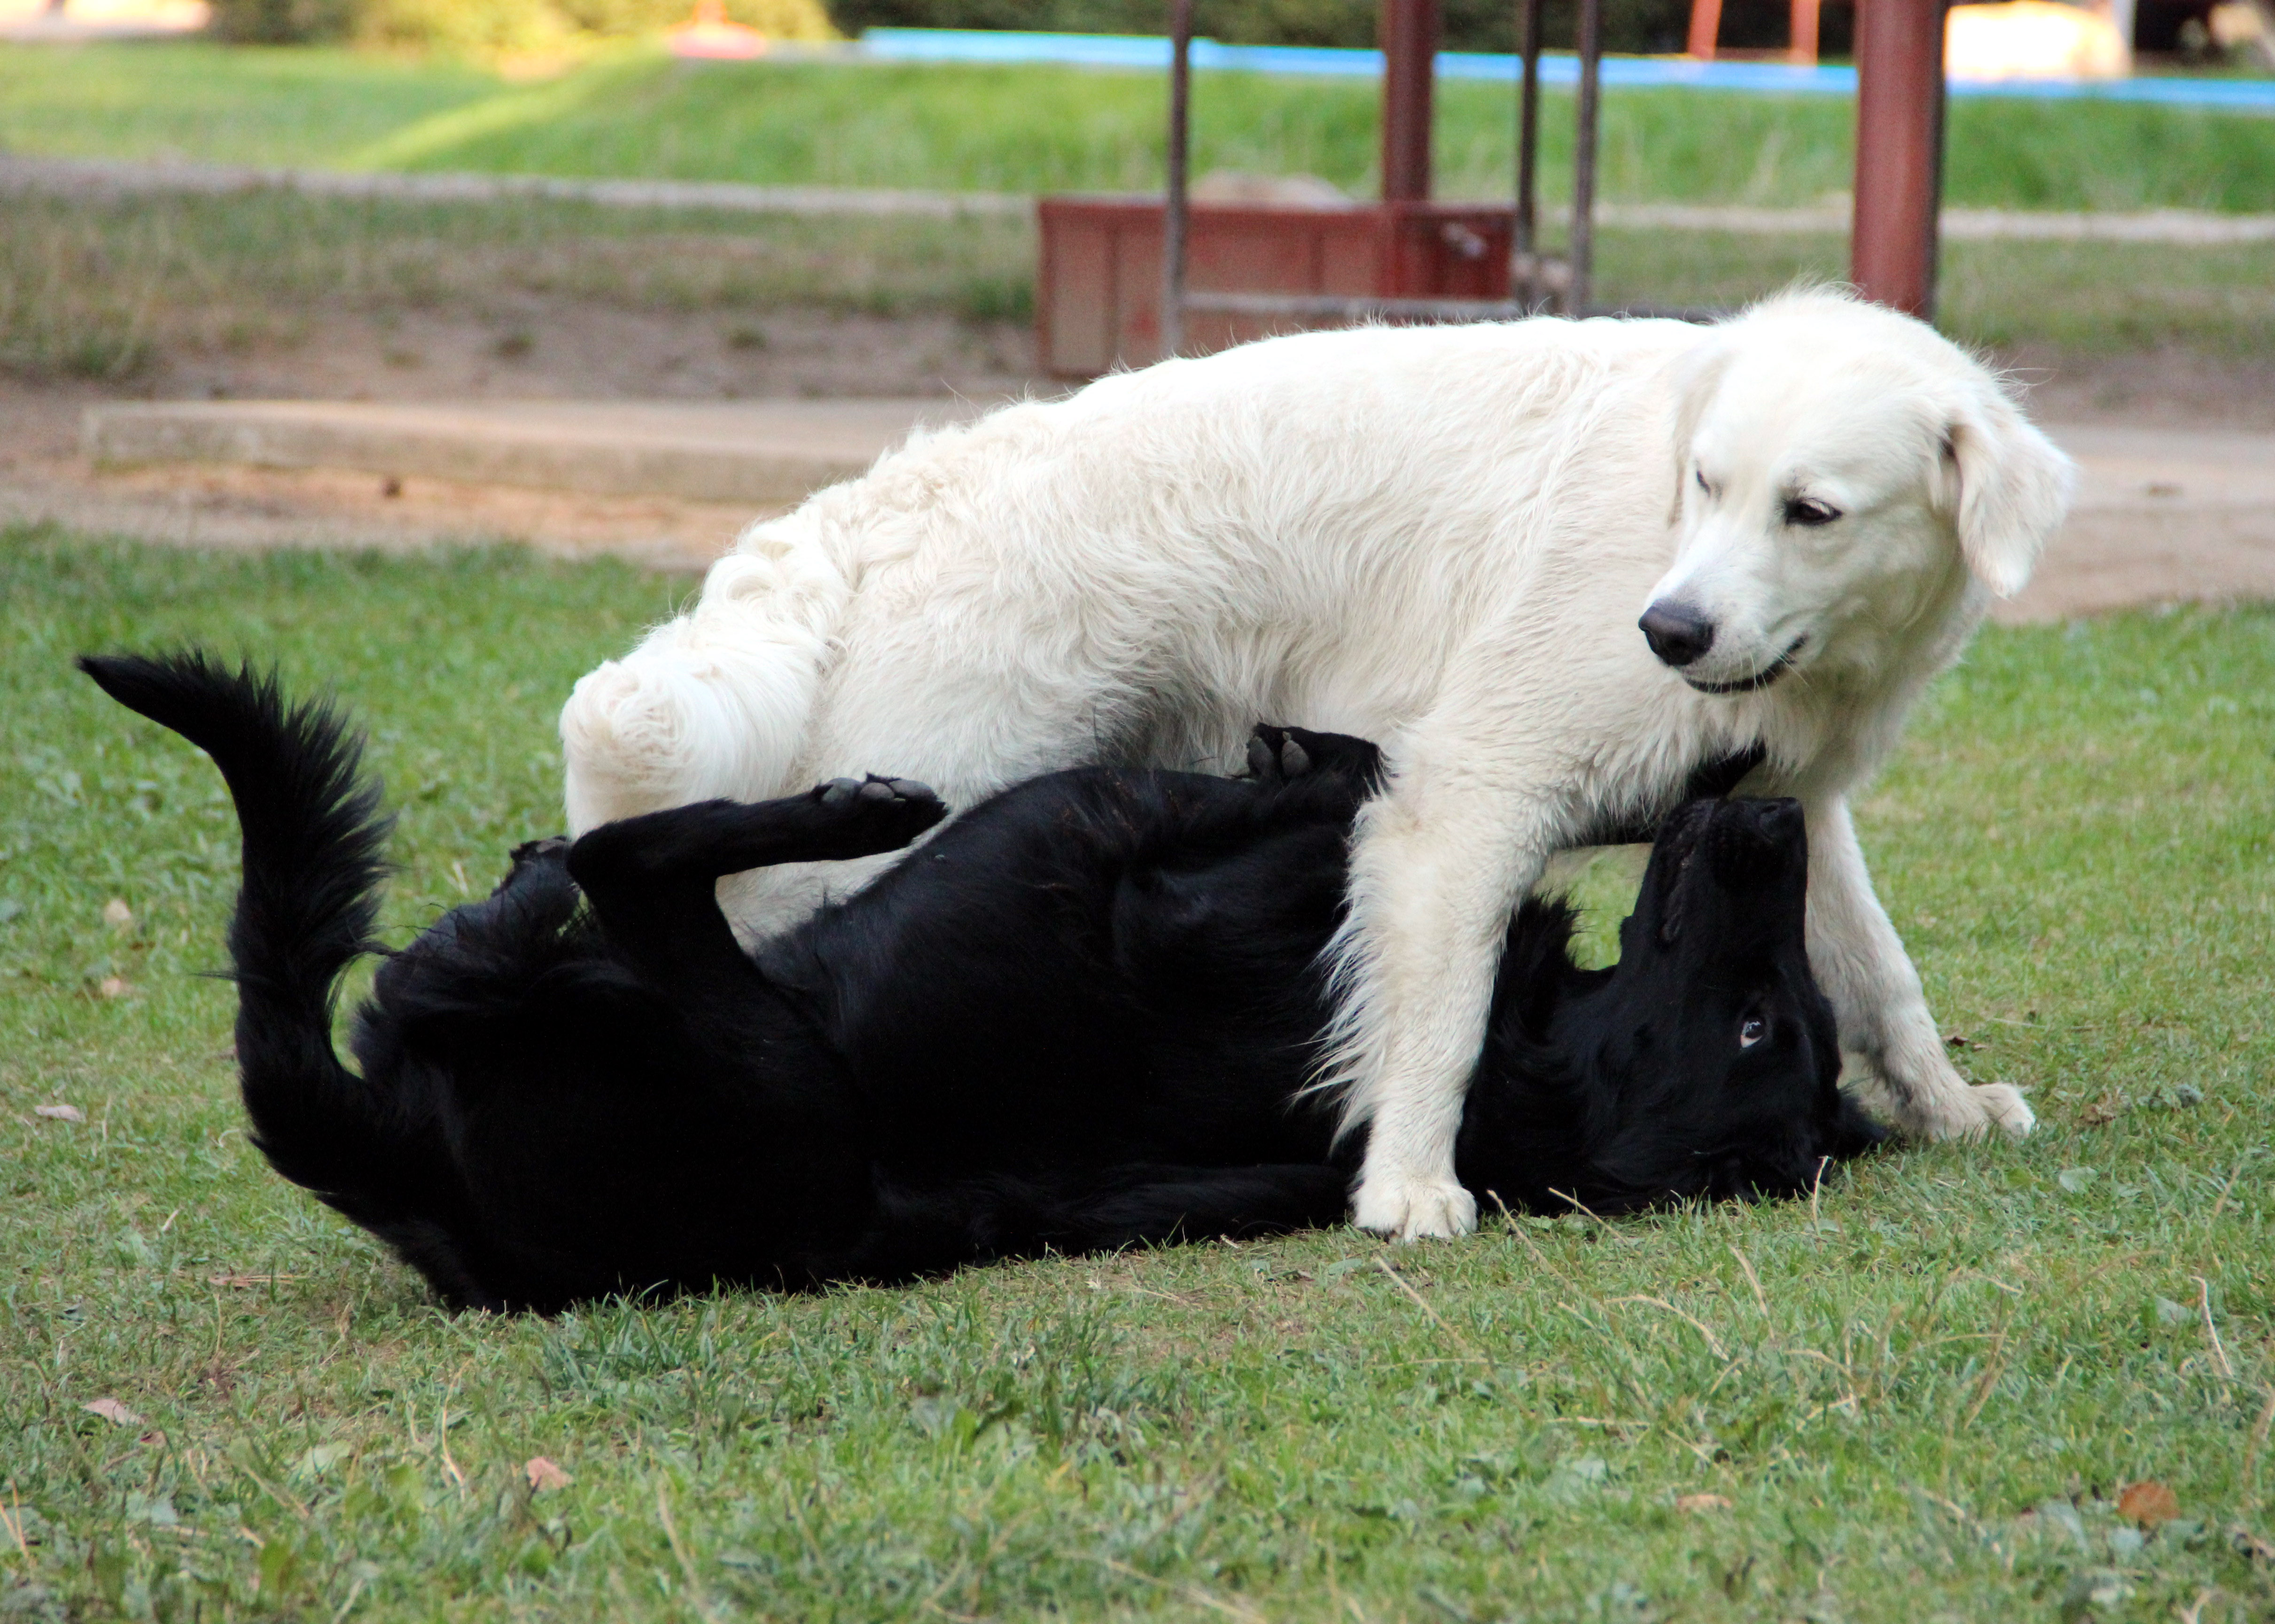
[
  {"x": 281, "y": 22},
  {"x": 490, "y": 28},
  {"x": 1919, "y": 1395}
]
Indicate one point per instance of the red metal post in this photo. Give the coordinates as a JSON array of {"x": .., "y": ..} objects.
[
  {"x": 1891, "y": 248},
  {"x": 1802, "y": 42},
  {"x": 1176, "y": 214},
  {"x": 1409, "y": 52}
]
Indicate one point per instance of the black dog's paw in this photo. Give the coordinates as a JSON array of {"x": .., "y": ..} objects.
[
  {"x": 553, "y": 848},
  {"x": 534, "y": 863},
  {"x": 875, "y": 814},
  {"x": 1276, "y": 755}
]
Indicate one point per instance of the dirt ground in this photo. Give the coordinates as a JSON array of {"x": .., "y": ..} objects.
[
  {"x": 567, "y": 351},
  {"x": 564, "y": 351}
]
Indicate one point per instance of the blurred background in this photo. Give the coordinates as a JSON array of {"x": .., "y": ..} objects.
[{"x": 464, "y": 206}]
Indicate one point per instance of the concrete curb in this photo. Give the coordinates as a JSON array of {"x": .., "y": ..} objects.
[
  {"x": 767, "y": 453},
  {"x": 81, "y": 176}
]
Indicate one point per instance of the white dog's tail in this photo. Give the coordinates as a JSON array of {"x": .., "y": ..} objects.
[{"x": 714, "y": 704}]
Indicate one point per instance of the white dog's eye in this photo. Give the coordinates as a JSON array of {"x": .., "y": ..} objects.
[
  {"x": 1808, "y": 510},
  {"x": 1699, "y": 474},
  {"x": 1751, "y": 1031}
]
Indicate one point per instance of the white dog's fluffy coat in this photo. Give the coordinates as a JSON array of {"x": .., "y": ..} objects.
[{"x": 1437, "y": 537}]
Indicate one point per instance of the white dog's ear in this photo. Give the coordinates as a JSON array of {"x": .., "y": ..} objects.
[
  {"x": 2013, "y": 489},
  {"x": 1697, "y": 374}
]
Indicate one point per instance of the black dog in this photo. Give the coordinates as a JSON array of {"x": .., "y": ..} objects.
[{"x": 1081, "y": 1019}]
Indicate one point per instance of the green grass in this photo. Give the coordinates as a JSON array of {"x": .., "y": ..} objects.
[
  {"x": 1920, "y": 1398},
  {"x": 104, "y": 290},
  {"x": 1039, "y": 128},
  {"x": 219, "y": 104}
]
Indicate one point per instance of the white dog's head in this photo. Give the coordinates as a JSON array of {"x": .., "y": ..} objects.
[{"x": 1840, "y": 471}]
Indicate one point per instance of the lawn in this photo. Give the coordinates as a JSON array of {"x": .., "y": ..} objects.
[
  {"x": 109, "y": 290},
  {"x": 1041, "y": 128},
  {"x": 1919, "y": 1397}
]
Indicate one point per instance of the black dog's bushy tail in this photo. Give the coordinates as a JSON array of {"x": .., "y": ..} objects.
[{"x": 315, "y": 839}]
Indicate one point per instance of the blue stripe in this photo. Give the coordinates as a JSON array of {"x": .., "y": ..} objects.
[{"x": 1150, "y": 52}]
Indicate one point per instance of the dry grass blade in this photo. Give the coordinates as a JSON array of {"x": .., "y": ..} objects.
[
  {"x": 1992, "y": 1368},
  {"x": 2212, "y": 1331},
  {"x": 1713, "y": 1343},
  {"x": 2258, "y": 1440},
  {"x": 1198, "y": 1595},
  {"x": 696, "y": 1595},
  {"x": 1753, "y": 1280},
  {"x": 1469, "y": 1353}
]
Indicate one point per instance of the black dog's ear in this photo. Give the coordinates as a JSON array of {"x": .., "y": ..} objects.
[{"x": 1854, "y": 1131}]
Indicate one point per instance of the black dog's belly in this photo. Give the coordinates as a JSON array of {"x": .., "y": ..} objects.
[{"x": 1090, "y": 971}]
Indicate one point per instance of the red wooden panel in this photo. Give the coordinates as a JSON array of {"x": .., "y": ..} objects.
[
  {"x": 1098, "y": 300},
  {"x": 1074, "y": 294}
]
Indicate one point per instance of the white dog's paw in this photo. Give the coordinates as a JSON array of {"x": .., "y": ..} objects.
[
  {"x": 1975, "y": 1112},
  {"x": 2004, "y": 1108},
  {"x": 1410, "y": 1208}
]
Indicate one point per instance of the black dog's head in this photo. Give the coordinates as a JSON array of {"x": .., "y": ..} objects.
[{"x": 1705, "y": 1063}]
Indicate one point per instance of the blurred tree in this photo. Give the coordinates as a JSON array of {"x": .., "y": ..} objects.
[
  {"x": 1469, "y": 25},
  {"x": 490, "y": 27}
]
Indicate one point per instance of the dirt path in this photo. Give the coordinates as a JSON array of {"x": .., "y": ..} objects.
[{"x": 2178, "y": 513}]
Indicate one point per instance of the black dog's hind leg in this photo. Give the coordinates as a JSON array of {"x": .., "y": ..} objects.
[
  {"x": 1278, "y": 755},
  {"x": 652, "y": 878}
]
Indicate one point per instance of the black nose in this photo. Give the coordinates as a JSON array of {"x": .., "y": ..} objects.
[{"x": 1677, "y": 633}]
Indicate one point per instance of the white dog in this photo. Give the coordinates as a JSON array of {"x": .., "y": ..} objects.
[{"x": 1440, "y": 539}]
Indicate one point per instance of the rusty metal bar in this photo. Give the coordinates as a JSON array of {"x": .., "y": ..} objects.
[
  {"x": 1806, "y": 24},
  {"x": 1524, "y": 244},
  {"x": 1582, "y": 252},
  {"x": 1891, "y": 248},
  {"x": 1353, "y": 307},
  {"x": 1176, "y": 214},
  {"x": 1336, "y": 307},
  {"x": 1409, "y": 55}
]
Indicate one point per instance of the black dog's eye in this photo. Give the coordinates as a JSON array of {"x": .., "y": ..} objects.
[
  {"x": 1751, "y": 1031},
  {"x": 1808, "y": 510}
]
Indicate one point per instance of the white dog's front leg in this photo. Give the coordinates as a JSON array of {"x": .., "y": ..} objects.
[
  {"x": 1430, "y": 901},
  {"x": 1884, "y": 1020}
]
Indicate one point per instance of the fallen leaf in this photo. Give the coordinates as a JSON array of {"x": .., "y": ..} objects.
[
  {"x": 111, "y": 1409},
  {"x": 2148, "y": 1503},
  {"x": 1701, "y": 1503},
  {"x": 2102, "y": 1111},
  {"x": 61, "y": 1113},
  {"x": 113, "y": 987},
  {"x": 117, "y": 914},
  {"x": 2076, "y": 1179},
  {"x": 543, "y": 1474}
]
